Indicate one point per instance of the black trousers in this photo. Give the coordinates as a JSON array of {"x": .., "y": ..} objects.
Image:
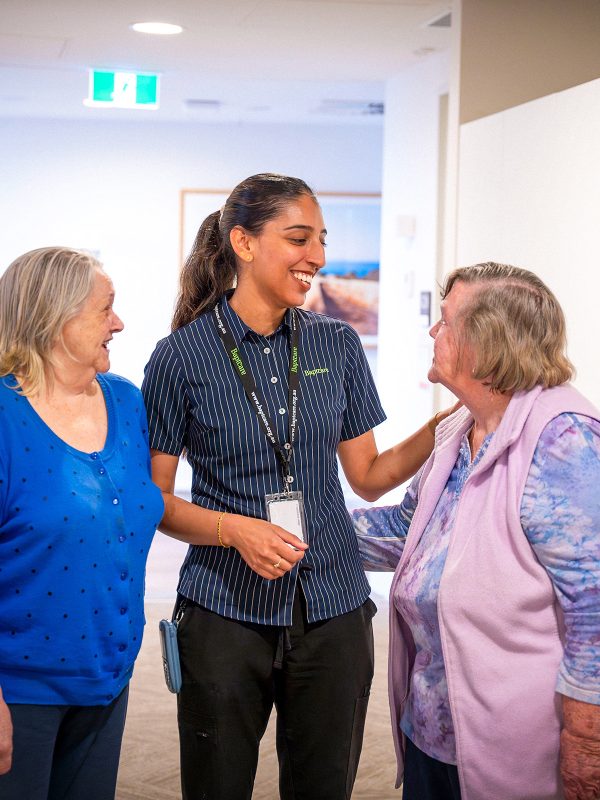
[
  {"x": 230, "y": 683},
  {"x": 426, "y": 778},
  {"x": 65, "y": 752}
]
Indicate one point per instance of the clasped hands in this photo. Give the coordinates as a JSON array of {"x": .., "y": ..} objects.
[{"x": 269, "y": 550}]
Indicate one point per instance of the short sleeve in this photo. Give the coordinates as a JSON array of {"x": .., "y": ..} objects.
[
  {"x": 166, "y": 399},
  {"x": 363, "y": 408},
  {"x": 143, "y": 422}
]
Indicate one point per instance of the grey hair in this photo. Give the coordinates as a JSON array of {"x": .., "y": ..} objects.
[
  {"x": 39, "y": 292},
  {"x": 514, "y": 326}
]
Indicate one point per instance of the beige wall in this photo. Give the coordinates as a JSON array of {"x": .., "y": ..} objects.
[{"x": 513, "y": 51}]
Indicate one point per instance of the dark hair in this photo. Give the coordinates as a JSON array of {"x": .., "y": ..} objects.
[
  {"x": 210, "y": 268},
  {"x": 514, "y": 326}
]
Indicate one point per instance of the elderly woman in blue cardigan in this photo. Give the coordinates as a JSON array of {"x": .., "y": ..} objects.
[
  {"x": 78, "y": 511},
  {"x": 494, "y": 670}
]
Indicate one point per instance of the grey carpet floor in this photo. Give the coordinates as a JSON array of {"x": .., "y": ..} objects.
[{"x": 149, "y": 763}]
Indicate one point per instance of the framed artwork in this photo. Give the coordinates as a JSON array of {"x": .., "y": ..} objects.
[
  {"x": 194, "y": 206},
  {"x": 348, "y": 285}
]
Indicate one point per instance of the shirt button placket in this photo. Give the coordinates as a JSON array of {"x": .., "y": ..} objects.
[
  {"x": 95, "y": 456},
  {"x": 123, "y": 571}
]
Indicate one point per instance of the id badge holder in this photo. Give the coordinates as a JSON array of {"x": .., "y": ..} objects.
[{"x": 287, "y": 511}]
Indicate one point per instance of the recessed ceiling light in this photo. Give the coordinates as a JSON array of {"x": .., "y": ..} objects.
[{"x": 157, "y": 28}]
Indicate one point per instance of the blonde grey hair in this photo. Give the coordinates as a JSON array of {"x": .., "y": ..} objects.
[
  {"x": 39, "y": 292},
  {"x": 514, "y": 326}
]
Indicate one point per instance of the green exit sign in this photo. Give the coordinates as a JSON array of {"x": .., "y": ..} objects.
[{"x": 122, "y": 89}]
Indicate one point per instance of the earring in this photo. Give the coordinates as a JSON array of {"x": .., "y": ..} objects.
[{"x": 248, "y": 258}]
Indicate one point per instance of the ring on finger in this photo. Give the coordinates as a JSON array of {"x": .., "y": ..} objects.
[{"x": 277, "y": 564}]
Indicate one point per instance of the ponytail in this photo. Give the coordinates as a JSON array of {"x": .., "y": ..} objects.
[
  {"x": 208, "y": 272},
  {"x": 211, "y": 267}
]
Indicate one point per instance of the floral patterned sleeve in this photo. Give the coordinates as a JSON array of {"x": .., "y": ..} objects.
[
  {"x": 381, "y": 531},
  {"x": 560, "y": 514}
]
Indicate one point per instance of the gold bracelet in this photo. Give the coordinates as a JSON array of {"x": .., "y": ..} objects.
[{"x": 219, "y": 521}]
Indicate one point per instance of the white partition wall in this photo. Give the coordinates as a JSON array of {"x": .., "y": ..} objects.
[
  {"x": 409, "y": 243},
  {"x": 529, "y": 195}
]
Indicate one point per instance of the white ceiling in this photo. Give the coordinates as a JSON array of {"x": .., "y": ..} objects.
[{"x": 261, "y": 60}]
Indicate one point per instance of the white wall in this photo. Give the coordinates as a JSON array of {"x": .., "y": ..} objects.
[
  {"x": 529, "y": 195},
  {"x": 408, "y": 263},
  {"x": 114, "y": 187}
]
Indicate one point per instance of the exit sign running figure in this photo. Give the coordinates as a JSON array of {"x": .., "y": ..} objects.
[{"x": 122, "y": 90}]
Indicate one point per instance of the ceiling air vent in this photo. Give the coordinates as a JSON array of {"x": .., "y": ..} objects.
[
  {"x": 194, "y": 104},
  {"x": 353, "y": 108},
  {"x": 444, "y": 21}
]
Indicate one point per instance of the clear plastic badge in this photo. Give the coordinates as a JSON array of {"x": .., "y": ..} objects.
[{"x": 287, "y": 511}]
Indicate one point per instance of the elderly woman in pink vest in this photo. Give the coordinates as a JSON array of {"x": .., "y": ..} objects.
[{"x": 494, "y": 670}]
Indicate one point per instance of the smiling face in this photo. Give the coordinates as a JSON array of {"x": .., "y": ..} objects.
[
  {"x": 85, "y": 337},
  {"x": 282, "y": 260},
  {"x": 451, "y": 367}
]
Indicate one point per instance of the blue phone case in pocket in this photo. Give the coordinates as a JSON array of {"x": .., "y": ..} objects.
[{"x": 170, "y": 654}]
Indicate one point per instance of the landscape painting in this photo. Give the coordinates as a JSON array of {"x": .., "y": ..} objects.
[{"x": 348, "y": 285}]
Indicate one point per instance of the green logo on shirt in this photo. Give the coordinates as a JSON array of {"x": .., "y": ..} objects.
[{"x": 317, "y": 371}]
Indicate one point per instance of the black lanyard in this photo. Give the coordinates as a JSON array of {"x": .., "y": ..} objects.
[{"x": 284, "y": 452}]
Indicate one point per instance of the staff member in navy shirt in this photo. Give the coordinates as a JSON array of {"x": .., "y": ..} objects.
[
  {"x": 263, "y": 396},
  {"x": 78, "y": 511}
]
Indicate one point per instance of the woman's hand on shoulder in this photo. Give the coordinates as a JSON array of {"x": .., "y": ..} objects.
[
  {"x": 441, "y": 415},
  {"x": 268, "y": 549}
]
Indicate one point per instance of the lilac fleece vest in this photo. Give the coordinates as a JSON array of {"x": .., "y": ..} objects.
[{"x": 500, "y": 623}]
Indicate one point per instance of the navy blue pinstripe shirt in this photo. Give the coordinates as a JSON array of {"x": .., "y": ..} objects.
[{"x": 195, "y": 400}]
